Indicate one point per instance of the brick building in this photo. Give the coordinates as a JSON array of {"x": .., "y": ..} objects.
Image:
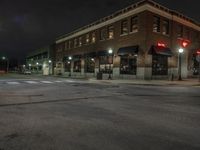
[{"x": 140, "y": 41}]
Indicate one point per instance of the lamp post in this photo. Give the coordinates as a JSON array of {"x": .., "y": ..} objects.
[
  {"x": 50, "y": 66},
  {"x": 7, "y": 63},
  {"x": 37, "y": 66},
  {"x": 70, "y": 59},
  {"x": 180, "y": 51},
  {"x": 110, "y": 52}
]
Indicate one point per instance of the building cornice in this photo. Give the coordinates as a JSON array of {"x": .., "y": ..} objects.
[{"x": 146, "y": 5}]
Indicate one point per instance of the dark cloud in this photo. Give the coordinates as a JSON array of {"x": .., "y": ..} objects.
[{"x": 26, "y": 25}]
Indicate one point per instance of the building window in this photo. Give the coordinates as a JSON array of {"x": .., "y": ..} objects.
[
  {"x": 89, "y": 65},
  {"x": 80, "y": 41},
  {"x": 134, "y": 24},
  {"x": 66, "y": 45},
  {"x": 75, "y": 43},
  {"x": 159, "y": 65},
  {"x": 93, "y": 37},
  {"x": 124, "y": 27},
  {"x": 70, "y": 45},
  {"x": 128, "y": 65},
  {"x": 195, "y": 65},
  {"x": 103, "y": 34},
  {"x": 156, "y": 24},
  {"x": 77, "y": 65},
  {"x": 111, "y": 32},
  {"x": 87, "y": 38},
  {"x": 106, "y": 64},
  {"x": 180, "y": 31},
  {"x": 165, "y": 27}
]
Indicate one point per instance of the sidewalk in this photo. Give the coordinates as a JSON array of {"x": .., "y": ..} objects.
[{"x": 184, "y": 82}]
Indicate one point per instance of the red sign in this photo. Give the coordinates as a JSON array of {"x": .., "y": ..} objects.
[
  {"x": 160, "y": 44},
  {"x": 184, "y": 42},
  {"x": 198, "y": 52}
]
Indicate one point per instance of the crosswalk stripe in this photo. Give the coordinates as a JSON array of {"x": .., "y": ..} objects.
[
  {"x": 31, "y": 82},
  {"x": 58, "y": 81},
  {"x": 13, "y": 83},
  {"x": 48, "y": 82}
]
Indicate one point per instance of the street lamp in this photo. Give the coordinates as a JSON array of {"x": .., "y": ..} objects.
[
  {"x": 70, "y": 59},
  {"x": 180, "y": 51},
  {"x": 29, "y": 67},
  {"x": 7, "y": 63},
  {"x": 37, "y": 66},
  {"x": 110, "y": 52},
  {"x": 49, "y": 65}
]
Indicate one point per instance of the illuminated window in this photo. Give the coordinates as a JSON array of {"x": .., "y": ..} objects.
[
  {"x": 103, "y": 34},
  {"x": 156, "y": 24},
  {"x": 106, "y": 64},
  {"x": 134, "y": 24},
  {"x": 89, "y": 64},
  {"x": 93, "y": 37},
  {"x": 87, "y": 38},
  {"x": 77, "y": 65},
  {"x": 80, "y": 41},
  {"x": 124, "y": 27},
  {"x": 110, "y": 32},
  {"x": 165, "y": 27},
  {"x": 128, "y": 65}
]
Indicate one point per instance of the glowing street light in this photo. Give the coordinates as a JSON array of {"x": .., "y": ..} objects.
[
  {"x": 69, "y": 62},
  {"x": 110, "y": 53},
  {"x": 180, "y": 51}
]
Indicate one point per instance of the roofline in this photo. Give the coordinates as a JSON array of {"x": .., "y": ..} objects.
[{"x": 170, "y": 13}]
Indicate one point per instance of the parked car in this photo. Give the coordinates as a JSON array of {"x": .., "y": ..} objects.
[{"x": 27, "y": 72}]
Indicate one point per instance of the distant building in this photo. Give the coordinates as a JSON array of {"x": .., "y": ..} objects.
[
  {"x": 41, "y": 61},
  {"x": 140, "y": 41}
]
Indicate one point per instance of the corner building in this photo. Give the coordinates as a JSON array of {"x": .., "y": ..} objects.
[{"x": 138, "y": 42}]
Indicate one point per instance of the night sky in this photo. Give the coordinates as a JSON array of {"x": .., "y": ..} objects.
[{"x": 26, "y": 25}]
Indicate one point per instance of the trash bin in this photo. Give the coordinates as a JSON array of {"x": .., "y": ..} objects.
[{"x": 99, "y": 76}]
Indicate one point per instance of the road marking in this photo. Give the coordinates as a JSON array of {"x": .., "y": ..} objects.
[
  {"x": 13, "y": 83},
  {"x": 58, "y": 81},
  {"x": 70, "y": 81},
  {"x": 31, "y": 82},
  {"x": 48, "y": 82}
]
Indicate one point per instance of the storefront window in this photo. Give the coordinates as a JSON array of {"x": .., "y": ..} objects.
[
  {"x": 128, "y": 65},
  {"x": 89, "y": 65},
  {"x": 67, "y": 66},
  {"x": 106, "y": 64},
  {"x": 77, "y": 65},
  {"x": 195, "y": 66},
  {"x": 159, "y": 65}
]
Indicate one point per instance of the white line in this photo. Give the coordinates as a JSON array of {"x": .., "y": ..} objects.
[
  {"x": 31, "y": 82},
  {"x": 13, "y": 83},
  {"x": 70, "y": 81},
  {"x": 58, "y": 81},
  {"x": 48, "y": 82}
]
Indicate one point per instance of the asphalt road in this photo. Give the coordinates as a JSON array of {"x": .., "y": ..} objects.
[{"x": 64, "y": 114}]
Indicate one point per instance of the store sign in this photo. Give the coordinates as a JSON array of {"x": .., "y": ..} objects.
[{"x": 184, "y": 42}]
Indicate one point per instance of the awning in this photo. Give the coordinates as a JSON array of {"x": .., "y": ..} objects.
[
  {"x": 159, "y": 50},
  {"x": 76, "y": 57},
  {"x": 92, "y": 54},
  {"x": 102, "y": 53},
  {"x": 128, "y": 50}
]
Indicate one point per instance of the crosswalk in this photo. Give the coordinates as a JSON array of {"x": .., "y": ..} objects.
[{"x": 35, "y": 82}]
